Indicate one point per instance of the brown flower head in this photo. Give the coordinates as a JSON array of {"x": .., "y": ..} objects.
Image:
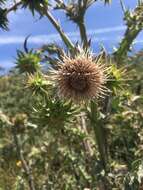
[{"x": 80, "y": 78}]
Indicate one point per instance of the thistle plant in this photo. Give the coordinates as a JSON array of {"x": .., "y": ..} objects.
[{"x": 81, "y": 125}]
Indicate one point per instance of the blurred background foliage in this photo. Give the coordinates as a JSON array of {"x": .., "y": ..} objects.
[{"x": 51, "y": 144}]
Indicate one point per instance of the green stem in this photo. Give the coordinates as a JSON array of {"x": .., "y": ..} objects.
[
  {"x": 98, "y": 128},
  {"x": 57, "y": 26},
  {"x": 126, "y": 43},
  {"x": 99, "y": 134},
  {"x": 83, "y": 34},
  {"x": 134, "y": 22}
]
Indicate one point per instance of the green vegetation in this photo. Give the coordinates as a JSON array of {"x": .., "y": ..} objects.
[{"x": 56, "y": 133}]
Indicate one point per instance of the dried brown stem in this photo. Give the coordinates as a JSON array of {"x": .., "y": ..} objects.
[{"x": 86, "y": 142}]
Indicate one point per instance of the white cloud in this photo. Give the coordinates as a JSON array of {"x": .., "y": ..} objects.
[
  {"x": 11, "y": 39},
  {"x": 38, "y": 39},
  {"x": 138, "y": 41},
  {"x": 101, "y": 30},
  {"x": 6, "y": 64}
]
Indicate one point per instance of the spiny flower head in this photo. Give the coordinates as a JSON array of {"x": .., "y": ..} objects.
[
  {"x": 37, "y": 83},
  {"x": 28, "y": 62},
  {"x": 80, "y": 78}
]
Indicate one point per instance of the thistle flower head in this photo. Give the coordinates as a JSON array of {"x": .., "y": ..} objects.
[
  {"x": 37, "y": 83},
  {"x": 28, "y": 62},
  {"x": 80, "y": 78}
]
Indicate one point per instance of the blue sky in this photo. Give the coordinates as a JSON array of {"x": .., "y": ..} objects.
[{"x": 104, "y": 25}]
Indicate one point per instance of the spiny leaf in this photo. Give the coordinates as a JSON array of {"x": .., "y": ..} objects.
[
  {"x": 34, "y": 5},
  {"x": 3, "y": 19},
  {"x": 107, "y": 1}
]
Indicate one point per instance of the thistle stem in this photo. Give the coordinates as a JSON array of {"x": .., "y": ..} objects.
[
  {"x": 83, "y": 34},
  {"x": 126, "y": 43},
  {"x": 134, "y": 27},
  {"x": 99, "y": 134},
  {"x": 57, "y": 26}
]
